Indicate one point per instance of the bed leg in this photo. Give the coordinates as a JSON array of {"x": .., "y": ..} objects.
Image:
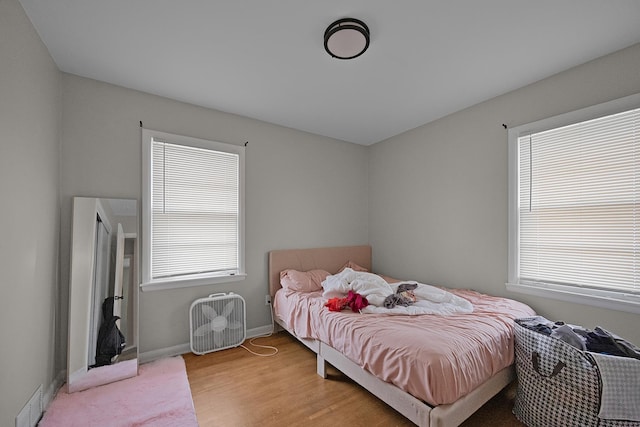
[{"x": 321, "y": 366}]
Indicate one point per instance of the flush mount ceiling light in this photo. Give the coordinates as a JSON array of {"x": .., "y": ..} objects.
[{"x": 347, "y": 38}]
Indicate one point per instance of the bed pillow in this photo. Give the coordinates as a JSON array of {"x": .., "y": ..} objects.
[
  {"x": 302, "y": 281},
  {"x": 389, "y": 279},
  {"x": 355, "y": 267},
  {"x": 352, "y": 265}
]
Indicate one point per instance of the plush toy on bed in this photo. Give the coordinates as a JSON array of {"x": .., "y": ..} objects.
[{"x": 403, "y": 296}]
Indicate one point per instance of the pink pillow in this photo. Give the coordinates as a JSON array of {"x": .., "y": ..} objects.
[
  {"x": 302, "y": 281},
  {"x": 352, "y": 265},
  {"x": 389, "y": 279},
  {"x": 355, "y": 267}
]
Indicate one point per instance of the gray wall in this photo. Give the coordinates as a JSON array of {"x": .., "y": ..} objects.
[
  {"x": 29, "y": 151},
  {"x": 438, "y": 193},
  {"x": 302, "y": 190}
]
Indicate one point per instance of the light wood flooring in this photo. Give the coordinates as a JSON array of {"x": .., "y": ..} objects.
[{"x": 235, "y": 388}]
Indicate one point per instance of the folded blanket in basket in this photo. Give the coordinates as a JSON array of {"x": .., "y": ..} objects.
[{"x": 620, "y": 398}]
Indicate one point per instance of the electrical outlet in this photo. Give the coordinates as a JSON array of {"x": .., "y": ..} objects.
[{"x": 267, "y": 300}]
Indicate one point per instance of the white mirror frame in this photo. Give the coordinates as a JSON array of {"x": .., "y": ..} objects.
[{"x": 85, "y": 299}]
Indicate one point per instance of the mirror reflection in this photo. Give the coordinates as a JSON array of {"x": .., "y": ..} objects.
[{"x": 103, "y": 292}]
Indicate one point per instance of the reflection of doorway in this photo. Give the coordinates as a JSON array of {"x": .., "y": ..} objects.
[
  {"x": 100, "y": 286},
  {"x": 124, "y": 289},
  {"x": 130, "y": 290},
  {"x": 119, "y": 272},
  {"x": 127, "y": 306}
]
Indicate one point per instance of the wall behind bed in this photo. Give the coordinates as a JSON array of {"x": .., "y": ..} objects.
[
  {"x": 438, "y": 193},
  {"x": 302, "y": 190}
]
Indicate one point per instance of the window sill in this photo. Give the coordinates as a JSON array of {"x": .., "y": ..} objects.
[
  {"x": 604, "y": 299},
  {"x": 186, "y": 283}
]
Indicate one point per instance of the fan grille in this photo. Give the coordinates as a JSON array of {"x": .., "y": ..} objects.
[{"x": 217, "y": 323}]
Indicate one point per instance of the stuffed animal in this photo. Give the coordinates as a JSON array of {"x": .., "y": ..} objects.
[{"x": 404, "y": 296}]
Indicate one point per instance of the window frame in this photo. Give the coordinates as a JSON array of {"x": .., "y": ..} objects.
[
  {"x": 616, "y": 300},
  {"x": 148, "y": 283}
]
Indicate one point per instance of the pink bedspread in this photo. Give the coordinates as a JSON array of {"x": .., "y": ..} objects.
[{"x": 437, "y": 359}]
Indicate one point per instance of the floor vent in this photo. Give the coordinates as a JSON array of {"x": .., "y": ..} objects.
[{"x": 32, "y": 411}]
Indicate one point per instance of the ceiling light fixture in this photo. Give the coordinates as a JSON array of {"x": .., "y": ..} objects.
[{"x": 347, "y": 38}]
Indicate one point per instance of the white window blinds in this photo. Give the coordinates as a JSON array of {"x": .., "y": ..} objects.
[
  {"x": 195, "y": 213},
  {"x": 579, "y": 204}
]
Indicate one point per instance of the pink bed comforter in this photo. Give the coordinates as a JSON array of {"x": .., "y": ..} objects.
[{"x": 437, "y": 359}]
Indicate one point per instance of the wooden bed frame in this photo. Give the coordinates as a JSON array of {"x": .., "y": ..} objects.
[{"x": 331, "y": 259}]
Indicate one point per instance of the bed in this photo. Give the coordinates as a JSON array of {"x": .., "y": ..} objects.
[{"x": 446, "y": 387}]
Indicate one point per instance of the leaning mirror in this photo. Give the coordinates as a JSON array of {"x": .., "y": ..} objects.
[{"x": 103, "y": 293}]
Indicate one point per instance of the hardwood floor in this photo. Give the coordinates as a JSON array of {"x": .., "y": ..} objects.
[{"x": 235, "y": 388}]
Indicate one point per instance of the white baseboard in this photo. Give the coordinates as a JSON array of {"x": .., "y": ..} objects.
[
  {"x": 260, "y": 331},
  {"x": 150, "y": 356},
  {"x": 52, "y": 389}
]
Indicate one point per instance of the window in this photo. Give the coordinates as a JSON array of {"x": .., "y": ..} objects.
[
  {"x": 193, "y": 213},
  {"x": 574, "y": 201}
]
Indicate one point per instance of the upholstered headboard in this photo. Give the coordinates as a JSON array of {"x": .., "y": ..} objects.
[{"x": 329, "y": 259}]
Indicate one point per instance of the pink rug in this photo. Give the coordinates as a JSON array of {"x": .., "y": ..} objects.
[{"x": 159, "y": 396}]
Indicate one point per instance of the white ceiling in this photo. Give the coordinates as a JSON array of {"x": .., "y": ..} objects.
[{"x": 265, "y": 59}]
